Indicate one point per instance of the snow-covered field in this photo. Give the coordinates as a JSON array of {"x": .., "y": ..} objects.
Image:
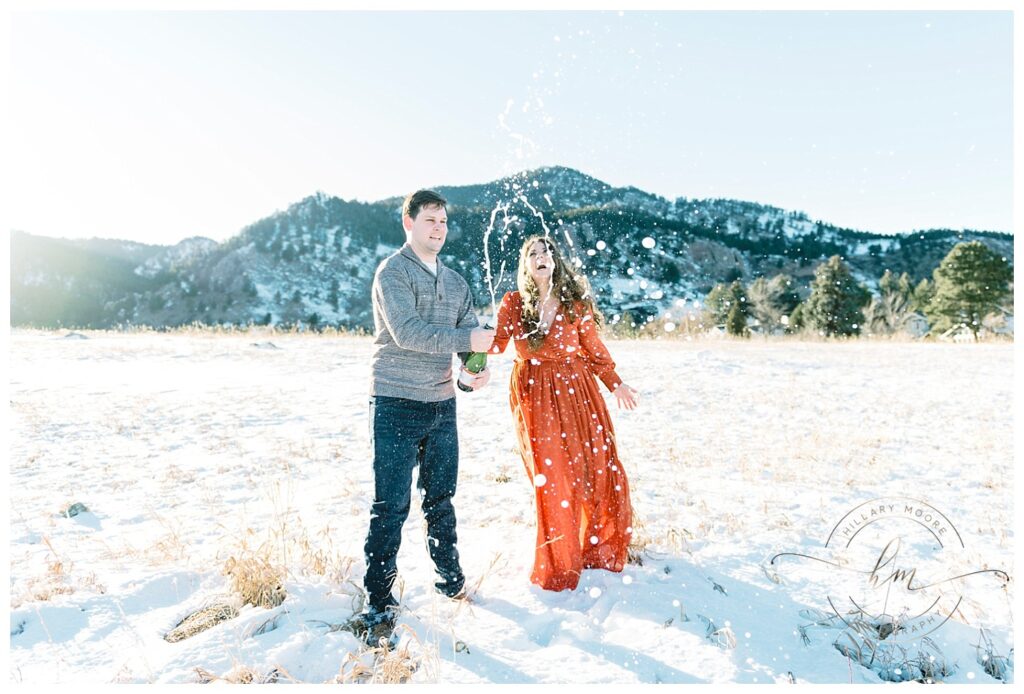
[{"x": 190, "y": 449}]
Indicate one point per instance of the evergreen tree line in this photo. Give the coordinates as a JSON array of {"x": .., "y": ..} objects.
[{"x": 972, "y": 284}]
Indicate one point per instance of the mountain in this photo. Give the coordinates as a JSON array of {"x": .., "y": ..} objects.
[
  {"x": 171, "y": 258},
  {"x": 313, "y": 262},
  {"x": 60, "y": 282}
]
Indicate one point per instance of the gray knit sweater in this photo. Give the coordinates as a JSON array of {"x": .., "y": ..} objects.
[{"x": 419, "y": 321}]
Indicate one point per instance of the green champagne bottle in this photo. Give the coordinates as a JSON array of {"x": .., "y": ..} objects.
[{"x": 473, "y": 363}]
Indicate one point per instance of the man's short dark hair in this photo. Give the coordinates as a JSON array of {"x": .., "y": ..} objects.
[{"x": 420, "y": 199}]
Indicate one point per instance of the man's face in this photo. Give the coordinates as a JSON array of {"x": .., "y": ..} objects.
[{"x": 428, "y": 231}]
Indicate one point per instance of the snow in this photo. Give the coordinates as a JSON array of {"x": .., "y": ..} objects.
[
  {"x": 185, "y": 446},
  {"x": 795, "y": 229},
  {"x": 885, "y": 245}
]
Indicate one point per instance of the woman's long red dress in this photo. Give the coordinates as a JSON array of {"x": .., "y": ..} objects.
[{"x": 568, "y": 445}]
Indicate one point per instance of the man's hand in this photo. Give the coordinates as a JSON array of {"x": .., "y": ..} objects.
[
  {"x": 479, "y": 380},
  {"x": 626, "y": 397},
  {"x": 480, "y": 339}
]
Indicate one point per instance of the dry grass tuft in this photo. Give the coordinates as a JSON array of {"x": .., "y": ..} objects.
[
  {"x": 866, "y": 643},
  {"x": 723, "y": 637},
  {"x": 256, "y": 580},
  {"x": 243, "y": 674},
  {"x": 495, "y": 560},
  {"x": 57, "y": 580},
  {"x": 268, "y": 625},
  {"x": 997, "y": 666},
  {"x": 167, "y": 547},
  {"x": 199, "y": 329},
  {"x": 322, "y": 559},
  {"x": 679, "y": 540},
  {"x": 201, "y": 620},
  {"x": 388, "y": 665},
  {"x": 171, "y": 545},
  {"x": 639, "y": 540}
]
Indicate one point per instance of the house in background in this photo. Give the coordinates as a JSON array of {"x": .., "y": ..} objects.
[{"x": 915, "y": 325}]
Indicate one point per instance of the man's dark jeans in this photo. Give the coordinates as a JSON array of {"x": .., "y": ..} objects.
[{"x": 404, "y": 434}]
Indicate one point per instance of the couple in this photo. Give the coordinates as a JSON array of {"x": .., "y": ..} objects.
[{"x": 423, "y": 313}]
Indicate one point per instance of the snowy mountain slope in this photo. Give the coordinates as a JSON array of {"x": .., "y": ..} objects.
[
  {"x": 312, "y": 263},
  {"x": 173, "y": 258}
]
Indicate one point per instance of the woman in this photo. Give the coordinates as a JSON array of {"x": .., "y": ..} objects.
[{"x": 565, "y": 433}]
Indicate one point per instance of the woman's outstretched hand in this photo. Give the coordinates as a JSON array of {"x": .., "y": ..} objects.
[{"x": 626, "y": 396}]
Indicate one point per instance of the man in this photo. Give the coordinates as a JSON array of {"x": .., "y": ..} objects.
[{"x": 422, "y": 313}]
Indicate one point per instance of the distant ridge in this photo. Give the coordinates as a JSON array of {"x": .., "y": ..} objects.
[{"x": 312, "y": 263}]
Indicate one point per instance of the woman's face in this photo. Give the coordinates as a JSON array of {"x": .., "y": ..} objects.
[{"x": 539, "y": 262}]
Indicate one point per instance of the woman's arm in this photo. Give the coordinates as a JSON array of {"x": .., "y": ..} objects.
[
  {"x": 505, "y": 328},
  {"x": 596, "y": 356},
  {"x": 594, "y": 353}
]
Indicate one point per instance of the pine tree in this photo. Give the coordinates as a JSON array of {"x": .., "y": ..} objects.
[
  {"x": 786, "y": 292},
  {"x": 716, "y": 305},
  {"x": 836, "y": 301},
  {"x": 628, "y": 321},
  {"x": 249, "y": 287},
  {"x": 721, "y": 299},
  {"x": 922, "y": 295},
  {"x": 970, "y": 282},
  {"x": 736, "y": 321},
  {"x": 797, "y": 320},
  {"x": 669, "y": 272},
  {"x": 332, "y": 297}
]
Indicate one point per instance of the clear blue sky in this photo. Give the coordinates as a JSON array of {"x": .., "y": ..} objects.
[{"x": 157, "y": 126}]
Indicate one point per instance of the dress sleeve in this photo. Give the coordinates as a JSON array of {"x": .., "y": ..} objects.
[
  {"x": 505, "y": 328},
  {"x": 594, "y": 353}
]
